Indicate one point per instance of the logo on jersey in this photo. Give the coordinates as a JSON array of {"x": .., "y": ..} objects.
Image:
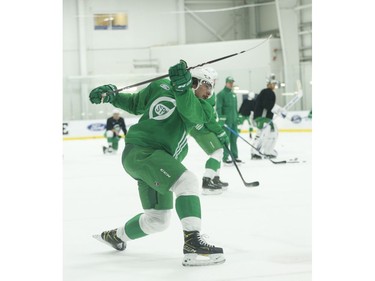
[
  {"x": 165, "y": 87},
  {"x": 162, "y": 108},
  {"x": 96, "y": 127}
]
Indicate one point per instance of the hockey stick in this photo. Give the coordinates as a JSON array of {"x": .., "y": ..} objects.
[
  {"x": 192, "y": 67},
  {"x": 267, "y": 157},
  {"x": 247, "y": 184}
]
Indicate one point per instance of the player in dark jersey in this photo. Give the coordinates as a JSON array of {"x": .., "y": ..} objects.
[
  {"x": 113, "y": 127},
  {"x": 267, "y": 131},
  {"x": 246, "y": 112}
]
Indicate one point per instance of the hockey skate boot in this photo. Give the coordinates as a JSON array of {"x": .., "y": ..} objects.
[
  {"x": 210, "y": 188},
  {"x": 271, "y": 155},
  {"x": 216, "y": 180},
  {"x": 256, "y": 157},
  {"x": 104, "y": 149},
  {"x": 110, "y": 150},
  {"x": 238, "y": 161},
  {"x": 110, "y": 238},
  {"x": 198, "y": 252},
  {"x": 228, "y": 162}
]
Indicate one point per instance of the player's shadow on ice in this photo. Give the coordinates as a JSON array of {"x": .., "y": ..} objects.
[{"x": 138, "y": 260}]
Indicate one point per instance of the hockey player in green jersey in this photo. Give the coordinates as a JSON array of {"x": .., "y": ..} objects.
[
  {"x": 226, "y": 107},
  {"x": 210, "y": 136},
  {"x": 154, "y": 149}
]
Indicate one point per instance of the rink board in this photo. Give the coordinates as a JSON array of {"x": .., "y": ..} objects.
[{"x": 296, "y": 121}]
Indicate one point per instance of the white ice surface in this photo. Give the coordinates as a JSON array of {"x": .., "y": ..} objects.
[{"x": 265, "y": 231}]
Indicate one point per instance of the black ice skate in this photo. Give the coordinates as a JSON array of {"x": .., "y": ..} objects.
[
  {"x": 110, "y": 150},
  {"x": 239, "y": 161},
  {"x": 228, "y": 162},
  {"x": 110, "y": 238},
  {"x": 210, "y": 188},
  {"x": 216, "y": 180},
  {"x": 104, "y": 149},
  {"x": 197, "y": 252},
  {"x": 256, "y": 157}
]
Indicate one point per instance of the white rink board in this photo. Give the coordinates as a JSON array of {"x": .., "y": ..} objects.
[{"x": 86, "y": 129}]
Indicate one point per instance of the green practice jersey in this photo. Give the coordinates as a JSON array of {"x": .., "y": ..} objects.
[
  {"x": 166, "y": 117},
  {"x": 226, "y": 105},
  {"x": 211, "y": 125}
]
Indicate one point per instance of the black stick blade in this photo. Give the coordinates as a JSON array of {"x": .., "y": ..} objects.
[
  {"x": 252, "y": 184},
  {"x": 278, "y": 162}
]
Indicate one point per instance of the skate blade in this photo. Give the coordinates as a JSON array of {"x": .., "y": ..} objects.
[
  {"x": 99, "y": 238},
  {"x": 207, "y": 191},
  {"x": 202, "y": 260}
]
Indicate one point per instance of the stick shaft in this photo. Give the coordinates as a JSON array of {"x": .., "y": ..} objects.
[
  {"x": 234, "y": 162},
  {"x": 192, "y": 67}
]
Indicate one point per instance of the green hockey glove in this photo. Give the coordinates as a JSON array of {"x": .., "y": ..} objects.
[
  {"x": 240, "y": 119},
  {"x": 96, "y": 94},
  {"x": 222, "y": 121},
  {"x": 180, "y": 77},
  {"x": 223, "y": 138}
]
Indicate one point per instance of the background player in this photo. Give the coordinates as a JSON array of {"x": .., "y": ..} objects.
[
  {"x": 210, "y": 136},
  {"x": 267, "y": 132},
  {"x": 113, "y": 127},
  {"x": 226, "y": 108}
]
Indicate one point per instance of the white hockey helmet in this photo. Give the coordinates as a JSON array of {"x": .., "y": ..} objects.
[
  {"x": 271, "y": 79},
  {"x": 213, "y": 72},
  {"x": 201, "y": 75},
  {"x": 115, "y": 111}
]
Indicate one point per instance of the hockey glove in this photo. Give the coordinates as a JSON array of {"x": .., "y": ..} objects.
[
  {"x": 221, "y": 121},
  {"x": 223, "y": 138},
  {"x": 180, "y": 77},
  {"x": 240, "y": 119},
  {"x": 96, "y": 95}
]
